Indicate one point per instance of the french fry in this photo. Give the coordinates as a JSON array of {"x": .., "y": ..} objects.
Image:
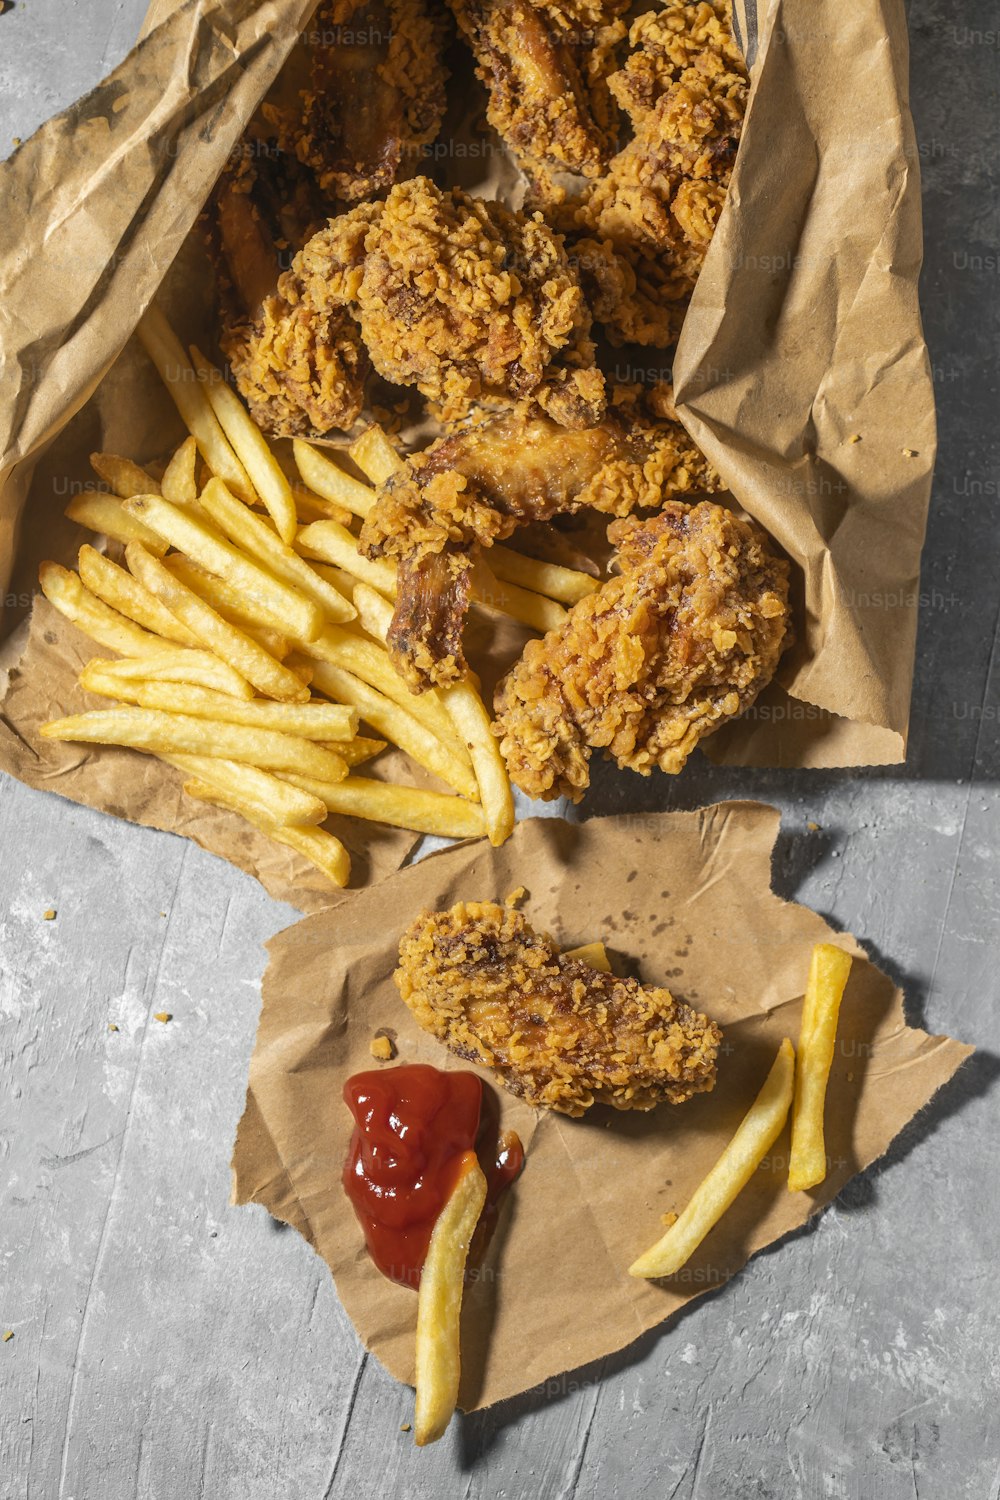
[
  {"x": 67, "y": 593},
  {"x": 472, "y": 723},
  {"x": 250, "y": 447},
  {"x": 224, "y": 599},
  {"x": 188, "y": 395},
  {"x": 530, "y": 609},
  {"x": 257, "y": 538},
  {"x": 320, "y": 848},
  {"x": 756, "y": 1134},
  {"x": 244, "y": 654},
  {"x": 179, "y": 484},
  {"x": 399, "y": 806},
  {"x": 270, "y": 796},
  {"x": 374, "y": 455},
  {"x": 397, "y": 725},
  {"x": 127, "y": 595},
  {"x": 374, "y": 611},
  {"x": 327, "y": 722},
  {"x": 327, "y": 479},
  {"x": 566, "y": 585},
  {"x": 333, "y": 543},
  {"x": 593, "y": 954},
  {"x": 199, "y": 668},
  {"x": 371, "y": 662},
  {"x": 206, "y": 545},
  {"x": 125, "y": 477},
  {"x": 106, "y": 515},
  {"x": 312, "y": 507},
  {"x": 183, "y": 734},
  {"x": 360, "y": 749},
  {"x": 439, "y": 1304},
  {"x": 829, "y": 970}
]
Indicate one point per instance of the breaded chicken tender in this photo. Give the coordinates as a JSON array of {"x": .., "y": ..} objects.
[
  {"x": 558, "y": 1033},
  {"x": 675, "y": 646}
]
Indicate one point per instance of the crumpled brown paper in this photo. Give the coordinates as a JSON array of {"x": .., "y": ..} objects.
[
  {"x": 680, "y": 898},
  {"x": 804, "y": 331}
]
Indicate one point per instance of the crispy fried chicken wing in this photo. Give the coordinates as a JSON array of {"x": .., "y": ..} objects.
[
  {"x": 363, "y": 93},
  {"x": 545, "y": 66},
  {"x": 477, "y": 486},
  {"x": 647, "y": 223},
  {"x": 555, "y": 1031},
  {"x": 676, "y": 645},
  {"x": 468, "y": 301}
]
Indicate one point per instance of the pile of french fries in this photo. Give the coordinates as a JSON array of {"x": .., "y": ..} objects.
[{"x": 249, "y": 633}]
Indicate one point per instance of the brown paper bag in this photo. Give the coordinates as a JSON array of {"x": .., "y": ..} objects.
[
  {"x": 803, "y": 333},
  {"x": 680, "y": 898}
]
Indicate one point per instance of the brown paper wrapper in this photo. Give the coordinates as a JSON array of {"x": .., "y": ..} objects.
[
  {"x": 682, "y": 899},
  {"x": 803, "y": 331}
]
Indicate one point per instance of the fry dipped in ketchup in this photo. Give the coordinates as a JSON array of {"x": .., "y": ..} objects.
[{"x": 415, "y": 1177}]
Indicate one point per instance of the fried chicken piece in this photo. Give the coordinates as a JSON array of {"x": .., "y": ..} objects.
[
  {"x": 647, "y": 224},
  {"x": 545, "y": 66},
  {"x": 676, "y": 645},
  {"x": 468, "y": 301},
  {"x": 363, "y": 93},
  {"x": 558, "y": 1033},
  {"x": 477, "y": 486}
]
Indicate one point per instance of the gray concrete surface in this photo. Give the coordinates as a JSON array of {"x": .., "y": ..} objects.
[{"x": 167, "y": 1346}]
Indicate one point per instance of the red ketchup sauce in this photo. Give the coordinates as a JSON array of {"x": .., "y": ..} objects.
[{"x": 413, "y": 1127}]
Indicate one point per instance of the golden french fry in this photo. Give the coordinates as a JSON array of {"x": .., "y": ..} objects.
[
  {"x": 327, "y": 722},
  {"x": 106, "y": 515},
  {"x": 530, "y": 609},
  {"x": 325, "y": 478},
  {"x": 227, "y": 601},
  {"x": 398, "y": 726},
  {"x": 374, "y": 455},
  {"x": 233, "y": 645},
  {"x": 183, "y": 734},
  {"x": 549, "y": 579},
  {"x": 313, "y": 507},
  {"x": 757, "y": 1133},
  {"x": 66, "y": 592},
  {"x": 125, "y": 477},
  {"x": 250, "y": 447},
  {"x": 371, "y": 662},
  {"x": 333, "y": 543},
  {"x": 374, "y": 611},
  {"x": 343, "y": 581},
  {"x": 360, "y": 749},
  {"x": 188, "y": 395},
  {"x": 399, "y": 806},
  {"x": 268, "y": 795},
  {"x": 593, "y": 954},
  {"x": 129, "y": 597},
  {"x": 472, "y": 724},
  {"x": 179, "y": 484},
  {"x": 439, "y": 1304},
  {"x": 829, "y": 970},
  {"x": 199, "y": 668},
  {"x": 258, "y": 538},
  {"x": 207, "y": 546},
  {"x": 320, "y": 848}
]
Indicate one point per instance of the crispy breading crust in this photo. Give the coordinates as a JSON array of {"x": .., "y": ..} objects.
[
  {"x": 678, "y": 644},
  {"x": 558, "y": 1033}
]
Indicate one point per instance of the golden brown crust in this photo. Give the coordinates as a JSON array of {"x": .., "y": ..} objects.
[
  {"x": 674, "y": 647},
  {"x": 560, "y": 1034},
  {"x": 477, "y": 486}
]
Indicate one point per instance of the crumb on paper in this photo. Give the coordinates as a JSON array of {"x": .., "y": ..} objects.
[
  {"x": 668, "y": 1219},
  {"x": 515, "y": 896},
  {"x": 112, "y": 1026},
  {"x": 910, "y": 453},
  {"x": 162, "y": 1015},
  {"x": 8, "y": 1335},
  {"x": 855, "y": 437},
  {"x": 16, "y": 139},
  {"x": 49, "y": 915},
  {"x": 813, "y": 827},
  {"x": 404, "y": 1427},
  {"x": 382, "y": 1047}
]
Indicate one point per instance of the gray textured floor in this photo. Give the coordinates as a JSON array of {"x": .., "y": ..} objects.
[{"x": 167, "y": 1346}]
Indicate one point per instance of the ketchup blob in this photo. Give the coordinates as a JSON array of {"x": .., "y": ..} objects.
[{"x": 413, "y": 1125}]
